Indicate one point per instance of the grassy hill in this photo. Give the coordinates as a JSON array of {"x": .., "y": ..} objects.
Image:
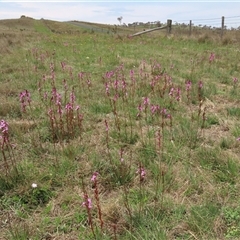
[{"x": 104, "y": 136}]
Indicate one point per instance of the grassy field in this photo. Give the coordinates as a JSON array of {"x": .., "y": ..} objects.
[{"x": 105, "y": 136}]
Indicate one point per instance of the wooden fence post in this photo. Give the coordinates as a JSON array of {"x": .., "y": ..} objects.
[
  {"x": 222, "y": 27},
  {"x": 190, "y": 27},
  {"x": 149, "y": 30},
  {"x": 169, "y": 26}
]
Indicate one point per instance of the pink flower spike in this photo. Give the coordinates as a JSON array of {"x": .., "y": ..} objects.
[
  {"x": 140, "y": 108},
  {"x": 50, "y": 111},
  {"x": 94, "y": 176},
  {"x": 212, "y": 57},
  {"x": 164, "y": 111},
  {"x": 235, "y": 80},
  {"x": 200, "y": 84},
  {"x": 131, "y": 73},
  {"x": 178, "y": 94},
  {"x": 238, "y": 139},
  {"x": 188, "y": 85},
  {"x": 4, "y": 126},
  {"x": 80, "y": 75},
  {"x": 63, "y": 65},
  {"x": 60, "y": 111},
  {"x": 68, "y": 106},
  {"x": 146, "y": 101},
  {"x": 142, "y": 173},
  {"x": 171, "y": 91},
  {"x": 88, "y": 203},
  {"x": 121, "y": 155},
  {"x": 45, "y": 96},
  {"x": 72, "y": 97},
  {"x": 154, "y": 108},
  {"x": 107, "y": 88},
  {"x": 106, "y": 124}
]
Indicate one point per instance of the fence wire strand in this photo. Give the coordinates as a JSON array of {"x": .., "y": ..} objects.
[{"x": 230, "y": 21}]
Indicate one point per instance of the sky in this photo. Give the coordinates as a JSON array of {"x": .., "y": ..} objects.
[{"x": 107, "y": 12}]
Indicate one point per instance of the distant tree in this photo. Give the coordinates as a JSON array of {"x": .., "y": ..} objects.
[{"x": 120, "y": 19}]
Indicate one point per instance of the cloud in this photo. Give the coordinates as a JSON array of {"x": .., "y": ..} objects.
[
  {"x": 108, "y": 12},
  {"x": 59, "y": 11}
]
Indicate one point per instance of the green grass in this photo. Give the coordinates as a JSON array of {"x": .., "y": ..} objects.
[
  {"x": 234, "y": 111},
  {"x": 102, "y": 102},
  {"x": 40, "y": 27}
]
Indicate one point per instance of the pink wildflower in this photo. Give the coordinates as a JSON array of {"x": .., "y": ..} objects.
[
  {"x": 60, "y": 111},
  {"x": 212, "y": 57},
  {"x": 107, "y": 88},
  {"x": 153, "y": 83},
  {"x": 94, "y": 176},
  {"x": 106, "y": 124},
  {"x": 154, "y": 108},
  {"x": 24, "y": 98},
  {"x": 146, "y": 101},
  {"x": 88, "y": 203},
  {"x": 69, "y": 107},
  {"x": 58, "y": 99},
  {"x": 63, "y": 65},
  {"x": 50, "y": 111},
  {"x": 80, "y": 75},
  {"x": 140, "y": 108},
  {"x": 131, "y": 73},
  {"x": 52, "y": 67},
  {"x": 72, "y": 97},
  {"x": 142, "y": 173},
  {"x": 188, "y": 85},
  {"x": 109, "y": 74},
  {"x": 121, "y": 155},
  {"x": 65, "y": 84},
  {"x": 4, "y": 130},
  {"x": 45, "y": 96},
  {"x": 235, "y": 80},
  {"x": 116, "y": 83},
  {"x": 4, "y": 127},
  {"x": 124, "y": 84},
  {"x": 88, "y": 82},
  {"x": 178, "y": 94},
  {"x": 164, "y": 111},
  {"x": 171, "y": 92}
]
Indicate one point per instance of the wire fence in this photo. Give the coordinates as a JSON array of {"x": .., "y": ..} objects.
[
  {"x": 224, "y": 28},
  {"x": 229, "y": 22}
]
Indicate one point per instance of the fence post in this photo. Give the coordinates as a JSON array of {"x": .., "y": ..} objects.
[
  {"x": 190, "y": 27},
  {"x": 222, "y": 27},
  {"x": 169, "y": 26}
]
